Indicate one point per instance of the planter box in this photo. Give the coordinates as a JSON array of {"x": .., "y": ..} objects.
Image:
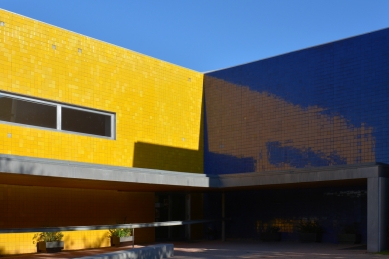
[
  {"x": 349, "y": 238},
  {"x": 310, "y": 237},
  {"x": 50, "y": 247},
  {"x": 122, "y": 241},
  {"x": 271, "y": 237}
]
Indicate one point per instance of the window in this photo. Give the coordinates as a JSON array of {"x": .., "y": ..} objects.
[
  {"x": 28, "y": 111},
  {"x": 86, "y": 122}
]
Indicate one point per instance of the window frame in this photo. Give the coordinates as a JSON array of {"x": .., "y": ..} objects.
[{"x": 59, "y": 115}]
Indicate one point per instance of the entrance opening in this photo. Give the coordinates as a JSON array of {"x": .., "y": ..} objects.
[{"x": 169, "y": 207}]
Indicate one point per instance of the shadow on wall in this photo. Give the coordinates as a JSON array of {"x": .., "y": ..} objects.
[
  {"x": 219, "y": 163},
  {"x": 97, "y": 242},
  {"x": 230, "y": 164},
  {"x": 298, "y": 158},
  {"x": 275, "y": 134},
  {"x": 153, "y": 156},
  {"x": 85, "y": 239}
]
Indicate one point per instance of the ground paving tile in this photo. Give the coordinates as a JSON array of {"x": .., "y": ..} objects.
[
  {"x": 70, "y": 253},
  {"x": 236, "y": 249},
  {"x": 248, "y": 250}
]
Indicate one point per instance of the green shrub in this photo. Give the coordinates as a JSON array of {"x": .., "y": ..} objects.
[
  {"x": 120, "y": 232},
  {"x": 47, "y": 237}
]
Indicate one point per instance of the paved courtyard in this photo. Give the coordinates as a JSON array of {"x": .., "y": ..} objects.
[
  {"x": 250, "y": 249},
  {"x": 238, "y": 249}
]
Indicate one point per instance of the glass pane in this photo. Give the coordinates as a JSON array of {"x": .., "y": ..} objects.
[
  {"x": 86, "y": 122},
  {"x": 26, "y": 112}
]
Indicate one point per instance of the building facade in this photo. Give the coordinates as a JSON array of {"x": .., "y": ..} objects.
[
  {"x": 94, "y": 134},
  {"x": 152, "y": 109},
  {"x": 324, "y": 106}
]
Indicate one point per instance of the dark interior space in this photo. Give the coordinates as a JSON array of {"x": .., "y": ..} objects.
[
  {"x": 26, "y": 112},
  {"x": 252, "y": 211},
  {"x": 169, "y": 207},
  {"x": 86, "y": 122}
]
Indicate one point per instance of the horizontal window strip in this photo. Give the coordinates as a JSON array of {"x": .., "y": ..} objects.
[{"x": 34, "y": 112}]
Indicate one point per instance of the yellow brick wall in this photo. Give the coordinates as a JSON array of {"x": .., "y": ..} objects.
[
  {"x": 158, "y": 109},
  {"x": 22, "y": 243},
  {"x": 25, "y": 207},
  {"x": 156, "y": 103}
]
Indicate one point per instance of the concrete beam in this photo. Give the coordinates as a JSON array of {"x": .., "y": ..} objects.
[
  {"x": 296, "y": 176},
  {"x": 85, "y": 171},
  {"x": 18, "y": 165}
]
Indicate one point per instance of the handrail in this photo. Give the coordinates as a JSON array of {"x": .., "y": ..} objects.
[{"x": 100, "y": 227}]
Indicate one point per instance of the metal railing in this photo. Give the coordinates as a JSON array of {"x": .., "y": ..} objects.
[{"x": 133, "y": 226}]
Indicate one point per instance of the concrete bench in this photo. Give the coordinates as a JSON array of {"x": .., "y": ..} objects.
[
  {"x": 163, "y": 250},
  {"x": 158, "y": 251}
]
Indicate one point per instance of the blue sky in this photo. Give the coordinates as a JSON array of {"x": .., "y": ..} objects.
[{"x": 206, "y": 35}]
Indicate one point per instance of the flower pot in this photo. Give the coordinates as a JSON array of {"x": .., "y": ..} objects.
[
  {"x": 271, "y": 237},
  {"x": 310, "y": 237},
  {"x": 122, "y": 241},
  {"x": 50, "y": 247},
  {"x": 349, "y": 238}
]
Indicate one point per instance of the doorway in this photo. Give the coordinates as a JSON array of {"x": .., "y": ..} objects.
[{"x": 169, "y": 207}]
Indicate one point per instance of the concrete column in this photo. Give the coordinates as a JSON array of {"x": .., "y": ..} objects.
[
  {"x": 169, "y": 215},
  {"x": 223, "y": 217},
  {"x": 377, "y": 213},
  {"x": 187, "y": 215}
]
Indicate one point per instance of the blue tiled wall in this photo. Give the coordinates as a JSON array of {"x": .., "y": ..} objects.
[{"x": 321, "y": 106}]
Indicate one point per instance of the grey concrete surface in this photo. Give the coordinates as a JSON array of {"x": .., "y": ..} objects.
[
  {"x": 377, "y": 213},
  {"x": 252, "y": 249},
  {"x": 373, "y": 215},
  {"x": 163, "y": 250},
  {"x": 157, "y": 251},
  {"x": 11, "y": 164},
  {"x": 334, "y": 173},
  {"x": 136, "y": 253},
  {"x": 86, "y": 171},
  {"x": 237, "y": 249}
]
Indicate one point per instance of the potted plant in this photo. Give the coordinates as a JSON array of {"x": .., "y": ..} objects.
[
  {"x": 48, "y": 242},
  {"x": 349, "y": 234},
  {"x": 121, "y": 237},
  {"x": 310, "y": 231},
  {"x": 271, "y": 233}
]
